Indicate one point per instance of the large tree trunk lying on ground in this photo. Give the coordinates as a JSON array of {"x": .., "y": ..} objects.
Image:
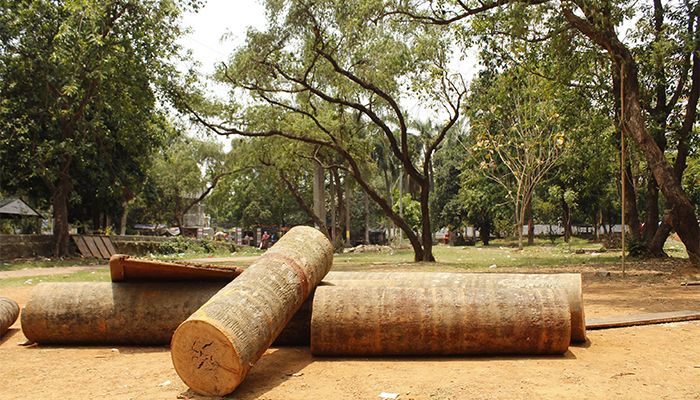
[
  {"x": 569, "y": 283},
  {"x": 213, "y": 350},
  {"x": 9, "y": 310},
  {"x": 102, "y": 313},
  {"x": 361, "y": 321}
]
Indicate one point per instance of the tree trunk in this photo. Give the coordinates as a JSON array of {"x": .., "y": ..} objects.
[
  {"x": 530, "y": 226},
  {"x": 9, "y": 311},
  {"x": 214, "y": 349},
  {"x": 366, "y": 218},
  {"x": 331, "y": 191},
  {"x": 485, "y": 233},
  {"x": 438, "y": 321},
  {"x": 122, "y": 314},
  {"x": 566, "y": 220},
  {"x": 570, "y": 284},
  {"x": 123, "y": 218},
  {"x": 348, "y": 198},
  {"x": 651, "y": 222},
  {"x": 631, "y": 212},
  {"x": 426, "y": 229},
  {"x": 319, "y": 192},
  {"x": 59, "y": 201}
]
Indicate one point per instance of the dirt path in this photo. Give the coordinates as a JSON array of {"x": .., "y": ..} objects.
[{"x": 651, "y": 362}]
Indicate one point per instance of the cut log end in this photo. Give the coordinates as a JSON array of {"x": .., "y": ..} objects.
[
  {"x": 9, "y": 311},
  {"x": 205, "y": 358}
]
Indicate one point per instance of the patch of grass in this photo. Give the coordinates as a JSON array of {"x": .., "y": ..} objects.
[
  {"x": 48, "y": 263},
  {"x": 473, "y": 257},
  {"x": 101, "y": 275}
]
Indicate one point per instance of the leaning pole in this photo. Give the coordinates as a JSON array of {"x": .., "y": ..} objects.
[{"x": 214, "y": 349}]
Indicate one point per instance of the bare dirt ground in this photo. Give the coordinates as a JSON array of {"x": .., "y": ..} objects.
[{"x": 650, "y": 362}]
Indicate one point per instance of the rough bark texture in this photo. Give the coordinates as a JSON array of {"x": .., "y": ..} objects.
[
  {"x": 102, "y": 313},
  {"x": 214, "y": 349},
  {"x": 569, "y": 283},
  {"x": 9, "y": 310},
  {"x": 359, "y": 321}
]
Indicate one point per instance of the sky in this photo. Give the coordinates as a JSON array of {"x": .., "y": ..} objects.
[
  {"x": 218, "y": 18},
  {"x": 220, "y": 27}
]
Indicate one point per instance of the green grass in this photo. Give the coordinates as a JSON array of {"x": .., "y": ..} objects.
[
  {"x": 81, "y": 276},
  {"x": 498, "y": 253},
  {"x": 501, "y": 253},
  {"x": 242, "y": 251},
  {"x": 48, "y": 263}
]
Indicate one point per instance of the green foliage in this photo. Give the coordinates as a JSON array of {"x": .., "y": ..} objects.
[
  {"x": 411, "y": 210},
  {"x": 78, "y": 93}
]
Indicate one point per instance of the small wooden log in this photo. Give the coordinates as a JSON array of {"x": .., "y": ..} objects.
[
  {"x": 103, "y": 313},
  {"x": 124, "y": 268},
  {"x": 214, "y": 349},
  {"x": 377, "y": 321},
  {"x": 624, "y": 321},
  {"x": 9, "y": 310},
  {"x": 570, "y": 283}
]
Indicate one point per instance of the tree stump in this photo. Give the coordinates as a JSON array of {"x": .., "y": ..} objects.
[{"x": 214, "y": 349}]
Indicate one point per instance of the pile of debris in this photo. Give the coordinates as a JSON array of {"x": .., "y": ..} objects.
[
  {"x": 369, "y": 248},
  {"x": 219, "y": 325}
]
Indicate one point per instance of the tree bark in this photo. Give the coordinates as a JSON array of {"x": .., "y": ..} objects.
[
  {"x": 566, "y": 220},
  {"x": 9, "y": 311},
  {"x": 530, "y": 226},
  {"x": 214, "y": 349},
  {"x": 438, "y": 321},
  {"x": 59, "y": 201},
  {"x": 319, "y": 191},
  {"x": 426, "y": 229}
]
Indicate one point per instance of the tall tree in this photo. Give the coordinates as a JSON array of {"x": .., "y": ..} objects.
[
  {"x": 323, "y": 63},
  {"x": 519, "y": 135},
  {"x": 75, "y": 73}
]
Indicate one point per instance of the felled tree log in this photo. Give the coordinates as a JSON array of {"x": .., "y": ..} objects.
[
  {"x": 9, "y": 310},
  {"x": 374, "y": 321},
  {"x": 214, "y": 349},
  {"x": 103, "y": 313},
  {"x": 569, "y": 283},
  {"x": 124, "y": 268}
]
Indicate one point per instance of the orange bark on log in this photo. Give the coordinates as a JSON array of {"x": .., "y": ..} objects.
[
  {"x": 214, "y": 349},
  {"x": 103, "y": 313},
  {"x": 9, "y": 310},
  {"x": 377, "y": 321},
  {"x": 569, "y": 283}
]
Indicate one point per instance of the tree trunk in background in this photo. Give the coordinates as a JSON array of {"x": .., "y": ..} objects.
[
  {"x": 60, "y": 216},
  {"x": 530, "y": 226},
  {"x": 319, "y": 189},
  {"x": 366, "y": 218},
  {"x": 426, "y": 229},
  {"x": 485, "y": 233},
  {"x": 651, "y": 222},
  {"x": 348, "y": 197},
  {"x": 566, "y": 220},
  {"x": 631, "y": 212},
  {"x": 123, "y": 218},
  {"x": 331, "y": 191}
]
